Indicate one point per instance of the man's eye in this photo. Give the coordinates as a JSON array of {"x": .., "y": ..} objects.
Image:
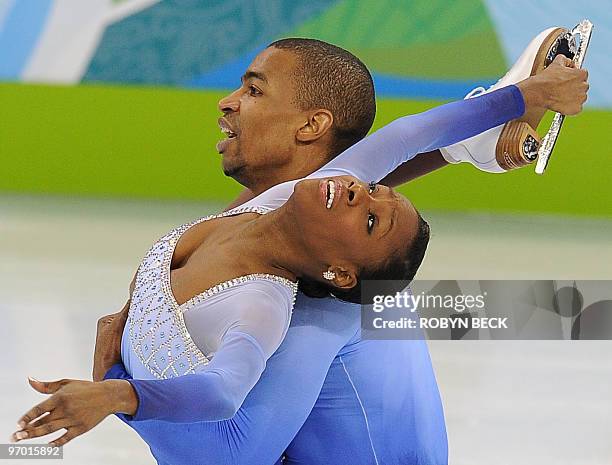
[
  {"x": 254, "y": 90},
  {"x": 371, "y": 187},
  {"x": 371, "y": 221}
]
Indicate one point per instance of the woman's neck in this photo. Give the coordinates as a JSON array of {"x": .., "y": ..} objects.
[{"x": 268, "y": 241}]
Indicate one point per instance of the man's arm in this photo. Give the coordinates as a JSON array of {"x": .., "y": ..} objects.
[
  {"x": 107, "y": 351},
  {"x": 422, "y": 164},
  {"x": 559, "y": 87},
  {"x": 555, "y": 89}
]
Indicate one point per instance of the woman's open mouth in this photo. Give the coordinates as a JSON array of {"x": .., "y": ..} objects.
[{"x": 331, "y": 191}]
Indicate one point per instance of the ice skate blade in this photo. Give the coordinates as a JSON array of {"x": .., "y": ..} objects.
[
  {"x": 518, "y": 143},
  {"x": 582, "y": 31}
]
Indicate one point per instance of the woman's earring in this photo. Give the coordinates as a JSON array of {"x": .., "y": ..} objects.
[{"x": 329, "y": 275}]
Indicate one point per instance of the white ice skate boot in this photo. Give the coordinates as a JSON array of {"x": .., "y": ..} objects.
[{"x": 516, "y": 143}]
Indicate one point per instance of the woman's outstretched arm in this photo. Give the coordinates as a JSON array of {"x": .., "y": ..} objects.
[
  {"x": 374, "y": 157},
  {"x": 257, "y": 326},
  {"x": 560, "y": 87}
]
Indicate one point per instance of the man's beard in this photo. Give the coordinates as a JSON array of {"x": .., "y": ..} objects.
[
  {"x": 234, "y": 171},
  {"x": 237, "y": 170}
]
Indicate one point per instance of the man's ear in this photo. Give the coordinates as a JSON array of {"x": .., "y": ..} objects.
[
  {"x": 318, "y": 124},
  {"x": 344, "y": 278}
]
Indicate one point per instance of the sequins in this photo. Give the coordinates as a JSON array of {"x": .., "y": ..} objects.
[
  {"x": 157, "y": 329},
  {"x": 235, "y": 282}
]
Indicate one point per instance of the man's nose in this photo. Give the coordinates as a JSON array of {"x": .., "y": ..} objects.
[{"x": 230, "y": 102}]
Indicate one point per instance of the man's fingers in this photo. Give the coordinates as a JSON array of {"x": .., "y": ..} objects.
[
  {"x": 106, "y": 320},
  {"x": 585, "y": 74},
  {"x": 585, "y": 91},
  {"x": 564, "y": 61},
  {"x": 107, "y": 349},
  {"x": 73, "y": 432},
  {"x": 561, "y": 60},
  {"x": 576, "y": 109}
]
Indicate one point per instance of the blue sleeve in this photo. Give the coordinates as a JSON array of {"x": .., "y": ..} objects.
[
  {"x": 204, "y": 396},
  {"x": 216, "y": 393},
  {"x": 277, "y": 406},
  {"x": 377, "y": 155},
  {"x": 253, "y": 322},
  {"x": 117, "y": 371}
]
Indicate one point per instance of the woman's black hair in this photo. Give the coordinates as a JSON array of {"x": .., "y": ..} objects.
[{"x": 396, "y": 273}]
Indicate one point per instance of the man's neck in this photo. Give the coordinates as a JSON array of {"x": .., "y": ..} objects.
[{"x": 290, "y": 172}]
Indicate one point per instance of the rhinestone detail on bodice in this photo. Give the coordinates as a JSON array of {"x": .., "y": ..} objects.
[{"x": 157, "y": 330}]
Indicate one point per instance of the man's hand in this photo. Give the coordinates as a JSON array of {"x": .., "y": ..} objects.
[
  {"x": 76, "y": 406},
  {"x": 108, "y": 342},
  {"x": 560, "y": 87}
]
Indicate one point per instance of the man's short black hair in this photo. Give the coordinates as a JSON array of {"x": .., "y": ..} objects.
[{"x": 329, "y": 77}]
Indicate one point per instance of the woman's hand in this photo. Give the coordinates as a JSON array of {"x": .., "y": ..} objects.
[{"x": 76, "y": 406}]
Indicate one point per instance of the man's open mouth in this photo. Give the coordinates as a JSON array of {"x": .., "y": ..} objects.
[
  {"x": 228, "y": 133},
  {"x": 226, "y": 128}
]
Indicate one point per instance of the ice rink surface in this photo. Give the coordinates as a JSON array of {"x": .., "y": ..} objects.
[{"x": 67, "y": 262}]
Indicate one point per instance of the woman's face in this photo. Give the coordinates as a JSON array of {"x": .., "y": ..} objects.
[{"x": 352, "y": 224}]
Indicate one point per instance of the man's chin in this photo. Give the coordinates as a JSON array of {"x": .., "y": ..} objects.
[
  {"x": 233, "y": 170},
  {"x": 229, "y": 172}
]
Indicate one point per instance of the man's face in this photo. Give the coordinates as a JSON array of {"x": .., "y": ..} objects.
[{"x": 260, "y": 119}]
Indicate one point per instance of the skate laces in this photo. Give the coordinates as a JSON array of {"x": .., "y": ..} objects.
[
  {"x": 481, "y": 90},
  {"x": 475, "y": 92}
]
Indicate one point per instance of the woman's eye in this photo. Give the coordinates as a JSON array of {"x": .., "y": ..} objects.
[
  {"x": 371, "y": 187},
  {"x": 371, "y": 221}
]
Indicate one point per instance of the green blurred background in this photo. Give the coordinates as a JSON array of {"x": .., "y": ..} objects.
[
  {"x": 148, "y": 142},
  {"x": 118, "y": 98}
]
